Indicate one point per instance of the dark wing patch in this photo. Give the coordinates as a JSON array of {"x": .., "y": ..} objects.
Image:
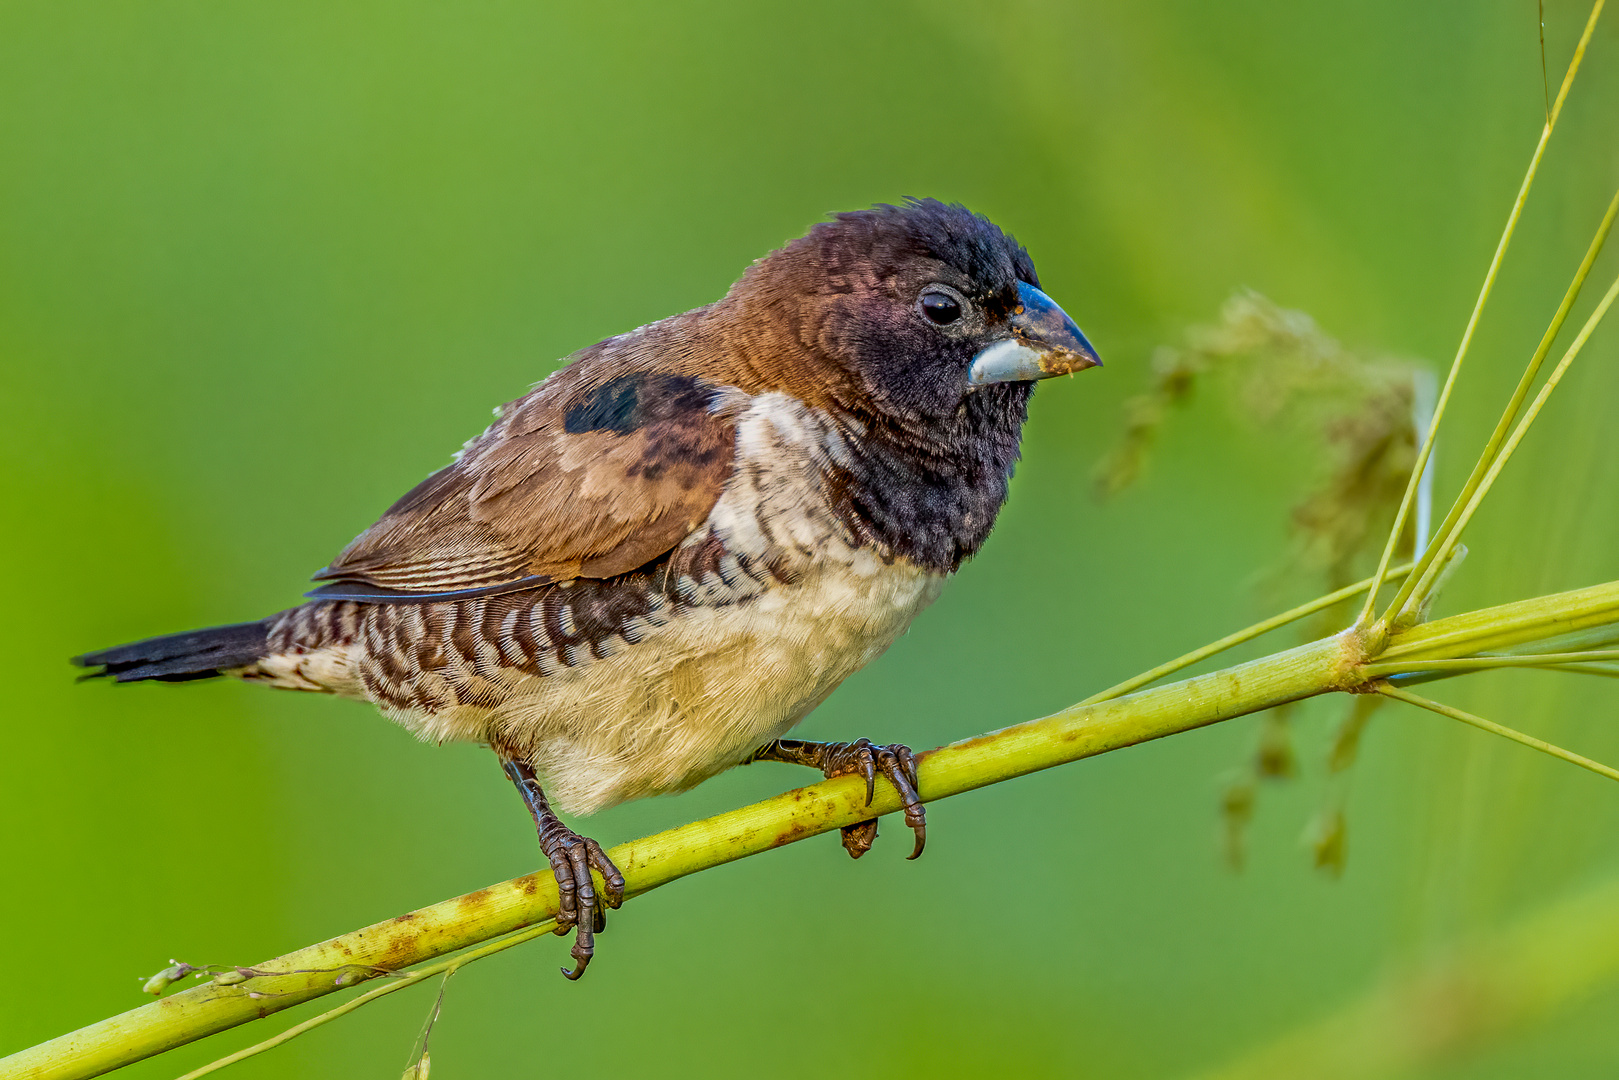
[
  {"x": 581, "y": 482},
  {"x": 631, "y": 402}
]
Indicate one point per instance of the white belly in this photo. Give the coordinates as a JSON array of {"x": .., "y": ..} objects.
[{"x": 704, "y": 691}]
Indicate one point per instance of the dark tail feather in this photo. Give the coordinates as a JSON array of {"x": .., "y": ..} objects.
[{"x": 198, "y": 654}]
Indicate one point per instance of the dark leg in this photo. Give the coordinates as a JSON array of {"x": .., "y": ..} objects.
[
  {"x": 863, "y": 758},
  {"x": 572, "y": 857}
]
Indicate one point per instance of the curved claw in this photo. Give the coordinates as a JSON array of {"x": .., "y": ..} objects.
[
  {"x": 898, "y": 764},
  {"x": 581, "y": 961},
  {"x": 921, "y": 830},
  {"x": 579, "y": 908}
]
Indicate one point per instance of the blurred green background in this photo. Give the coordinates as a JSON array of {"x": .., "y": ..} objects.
[{"x": 263, "y": 267}]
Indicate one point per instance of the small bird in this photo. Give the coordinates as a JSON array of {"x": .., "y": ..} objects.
[{"x": 663, "y": 556}]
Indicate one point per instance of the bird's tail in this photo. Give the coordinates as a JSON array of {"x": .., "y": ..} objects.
[{"x": 197, "y": 654}]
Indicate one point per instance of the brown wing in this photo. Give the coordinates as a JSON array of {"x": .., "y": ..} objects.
[{"x": 573, "y": 481}]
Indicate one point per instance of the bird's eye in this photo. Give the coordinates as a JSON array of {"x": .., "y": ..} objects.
[{"x": 940, "y": 307}]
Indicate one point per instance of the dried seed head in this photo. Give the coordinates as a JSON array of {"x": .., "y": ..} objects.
[{"x": 1279, "y": 371}]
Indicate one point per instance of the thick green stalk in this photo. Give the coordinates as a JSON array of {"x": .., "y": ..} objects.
[
  {"x": 1082, "y": 731},
  {"x": 657, "y": 860}
]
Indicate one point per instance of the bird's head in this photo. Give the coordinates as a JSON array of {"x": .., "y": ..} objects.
[{"x": 926, "y": 306}]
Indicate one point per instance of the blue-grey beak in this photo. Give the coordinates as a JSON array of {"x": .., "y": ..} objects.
[{"x": 1044, "y": 342}]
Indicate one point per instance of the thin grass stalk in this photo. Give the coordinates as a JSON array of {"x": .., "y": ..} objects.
[
  {"x": 1449, "y": 541},
  {"x": 1599, "y": 637},
  {"x": 1422, "y": 677},
  {"x": 1247, "y": 634},
  {"x": 1498, "y": 729},
  {"x": 1485, "y": 663},
  {"x": 1445, "y": 538},
  {"x": 1081, "y": 731},
  {"x": 1472, "y": 321},
  {"x": 1603, "y": 670},
  {"x": 1422, "y": 408}
]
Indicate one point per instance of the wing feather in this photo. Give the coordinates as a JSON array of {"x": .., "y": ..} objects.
[{"x": 585, "y": 478}]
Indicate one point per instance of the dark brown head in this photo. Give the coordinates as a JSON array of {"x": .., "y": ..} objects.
[{"x": 921, "y": 306}]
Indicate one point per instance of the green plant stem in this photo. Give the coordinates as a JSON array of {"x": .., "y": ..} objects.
[
  {"x": 1078, "y": 732},
  {"x": 1230, "y": 641},
  {"x": 1484, "y": 663},
  {"x": 455, "y": 924},
  {"x": 1440, "y": 547},
  {"x": 1426, "y": 450},
  {"x": 401, "y": 982},
  {"x": 1499, "y": 729}
]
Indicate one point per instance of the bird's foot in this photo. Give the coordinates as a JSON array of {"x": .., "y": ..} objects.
[
  {"x": 579, "y": 907},
  {"x": 865, "y": 759}
]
